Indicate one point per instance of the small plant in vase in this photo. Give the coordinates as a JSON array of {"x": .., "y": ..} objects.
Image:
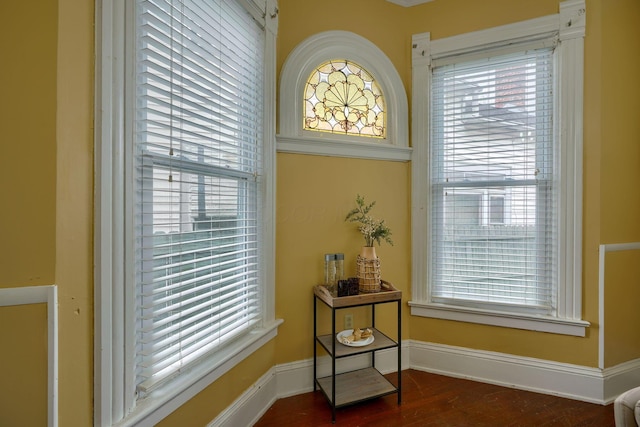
[{"x": 374, "y": 231}]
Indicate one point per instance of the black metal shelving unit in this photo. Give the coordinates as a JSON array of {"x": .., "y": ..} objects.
[{"x": 359, "y": 385}]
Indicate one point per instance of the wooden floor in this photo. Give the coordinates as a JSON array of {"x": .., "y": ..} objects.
[{"x": 436, "y": 400}]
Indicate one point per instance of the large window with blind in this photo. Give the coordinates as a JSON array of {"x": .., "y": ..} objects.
[
  {"x": 185, "y": 251},
  {"x": 197, "y": 138},
  {"x": 500, "y": 179}
]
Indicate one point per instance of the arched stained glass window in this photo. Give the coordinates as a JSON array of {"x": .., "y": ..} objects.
[{"x": 341, "y": 97}]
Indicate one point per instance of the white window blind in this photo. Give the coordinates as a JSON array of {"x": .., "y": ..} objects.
[
  {"x": 494, "y": 234},
  {"x": 197, "y": 135}
]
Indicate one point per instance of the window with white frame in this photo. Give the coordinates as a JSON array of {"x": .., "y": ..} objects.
[
  {"x": 340, "y": 95},
  {"x": 185, "y": 217},
  {"x": 496, "y": 177}
]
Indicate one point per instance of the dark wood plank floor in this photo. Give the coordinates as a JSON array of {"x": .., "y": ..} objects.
[{"x": 436, "y": 400}]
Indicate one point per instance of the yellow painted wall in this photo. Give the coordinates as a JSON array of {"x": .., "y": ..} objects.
[
  {"x": 23, "y": 365},
  {"x": 28, "y": 199},
  {"x": 302, "y": 180},
  {"x": 27, "y": 159},
  {"x": 620, "y": 121},
  {"x": 620, "y": 176},
  {"x": 47, "y": 174},
  {"x": 314, "y": 195},
  {"x": 74, "y": 215},
  {"x": 202, "y": 409},
  {"x": 371, "y": 19},
  {"x": 622, "y": 293}
]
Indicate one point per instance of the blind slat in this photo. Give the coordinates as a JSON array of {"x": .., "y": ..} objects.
[
  {"x": 493, "y": 219},
  {"x": 170, "y": 319},
  {"x": 198, "y": 138},
  {"x": 175, "y": 300},
  {"x": 164, "y": 334}
]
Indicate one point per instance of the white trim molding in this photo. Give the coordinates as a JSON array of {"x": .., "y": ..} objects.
[
  {"x": 420, "y": 203},
  {"x": 584, "y": 383},
  {"x": 354, "y": 149},
  {"x": 297, "y": 68},
  {"x": 497, "y": 318},
  {"x": 37, "y": 295},
  {"x": 251, "y": 405}
]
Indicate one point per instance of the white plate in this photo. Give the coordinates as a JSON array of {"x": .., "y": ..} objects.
[{"x": 360, "y": 343}]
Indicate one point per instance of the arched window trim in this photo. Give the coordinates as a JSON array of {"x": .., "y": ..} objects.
[{"x": 301, "y": 62}]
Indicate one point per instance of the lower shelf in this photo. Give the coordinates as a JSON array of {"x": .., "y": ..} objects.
[{"x": 356, "y": 386}]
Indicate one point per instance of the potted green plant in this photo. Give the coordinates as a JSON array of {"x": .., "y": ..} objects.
[{"x": 374, "y": 231}]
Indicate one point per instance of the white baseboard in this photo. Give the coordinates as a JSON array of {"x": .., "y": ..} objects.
[
  {"x": 542, "y": 376},
  {"x": 620, "y": 378},
  {"x": 251, "y": 405},
  {"x": 577, "y": 382},
  {"x": 294, "y": 378}
]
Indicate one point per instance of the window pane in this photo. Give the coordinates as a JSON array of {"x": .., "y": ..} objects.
[
  {"x": 496, "y": 209},
  {"x": 493, "y": 198}
]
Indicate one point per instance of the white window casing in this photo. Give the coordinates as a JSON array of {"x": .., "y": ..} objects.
[
  {"x": 341, "y": 45},
  {"x": 567, "y": 28}
]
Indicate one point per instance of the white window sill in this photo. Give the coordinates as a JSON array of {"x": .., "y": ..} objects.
[
  {"x": 331, "y": 146},
  {"x": 549, "y": 324},
  {"x": 163, "y": 401}
]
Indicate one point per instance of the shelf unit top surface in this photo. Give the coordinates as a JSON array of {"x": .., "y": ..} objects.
[{"x": 387, "y": 294}]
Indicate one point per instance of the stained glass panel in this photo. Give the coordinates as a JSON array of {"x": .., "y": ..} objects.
[{"x": 341, "y": 97}]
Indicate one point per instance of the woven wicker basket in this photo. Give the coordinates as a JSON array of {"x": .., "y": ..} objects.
[{"x": 368, "y": 274}]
